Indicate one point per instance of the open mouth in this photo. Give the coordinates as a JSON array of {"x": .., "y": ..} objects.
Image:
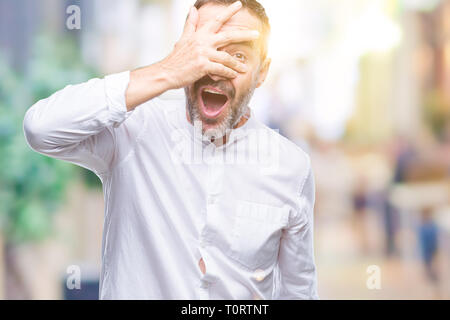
[{"x": 212, "y": 101}]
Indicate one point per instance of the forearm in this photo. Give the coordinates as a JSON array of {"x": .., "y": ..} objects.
[{"x": 147, "y": 83}]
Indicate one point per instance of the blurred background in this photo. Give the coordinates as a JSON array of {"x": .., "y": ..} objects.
[{"x": 362, "y": 85}]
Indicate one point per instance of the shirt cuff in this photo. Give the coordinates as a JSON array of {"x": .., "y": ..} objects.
[{"x": 115, "y": 89}]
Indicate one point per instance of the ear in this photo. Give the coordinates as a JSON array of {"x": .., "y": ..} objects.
[{"x": 263, "y": 71}]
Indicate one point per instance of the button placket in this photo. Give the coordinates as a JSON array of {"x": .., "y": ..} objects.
[
  {"x": 215, "y": 179},
  {"x": 213, "y": 189},
  {"x": 203, "y": 290},
  {"x": 215, "y": 175}
]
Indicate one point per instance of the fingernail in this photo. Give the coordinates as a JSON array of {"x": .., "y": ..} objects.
[
  {"x": 255, "y": 34},
  {"x": 238, "y": 4}
]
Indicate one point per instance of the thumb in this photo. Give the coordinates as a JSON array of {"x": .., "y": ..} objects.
[{"x": 191, "y": 21}]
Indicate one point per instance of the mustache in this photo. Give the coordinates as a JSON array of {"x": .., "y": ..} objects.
[{"x": 225, "y": 86}]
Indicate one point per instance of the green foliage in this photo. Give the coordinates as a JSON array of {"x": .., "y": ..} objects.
[
  {"x": 32, "y": 186},
  {"x": 436, "y": 111}
]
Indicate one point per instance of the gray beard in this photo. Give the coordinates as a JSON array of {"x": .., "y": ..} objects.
[{"x": 232, "y": 118}]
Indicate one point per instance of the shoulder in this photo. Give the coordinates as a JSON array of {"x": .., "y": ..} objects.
[
  {"x": 154, "y": 114},
  {"x": 292, "y": 162},
  {"x": 165, "y": 109},
  {"x": 291, "y": 154}
]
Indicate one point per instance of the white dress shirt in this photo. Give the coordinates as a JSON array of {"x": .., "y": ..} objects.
[{"x": 172, "y": 197}]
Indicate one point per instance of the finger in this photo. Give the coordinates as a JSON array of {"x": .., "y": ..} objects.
[
  {"x": 224, "y": 38},
  {"x": 217, "y": 78},
  {"x": 220, "y": 70},
  {"x": 229, "y": 11},
  {"x": 227, "y": 60},
  {"x": 191, "y": 22}
]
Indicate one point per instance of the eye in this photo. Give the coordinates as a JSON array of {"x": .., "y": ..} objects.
[{"x": 240, "y": 56}]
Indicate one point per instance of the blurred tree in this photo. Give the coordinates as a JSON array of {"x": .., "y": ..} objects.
[
  {"x": 32, "y": 185},
  {"x": 437, "y": 112}
]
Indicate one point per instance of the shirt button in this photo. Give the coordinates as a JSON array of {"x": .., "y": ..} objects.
[{"x": 259, "y": 275}]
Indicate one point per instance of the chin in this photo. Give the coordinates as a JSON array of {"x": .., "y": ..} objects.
[{"x": 217, "y": 128}]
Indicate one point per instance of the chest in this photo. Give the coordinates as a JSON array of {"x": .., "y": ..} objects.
[{"x": 234, "y": 206}]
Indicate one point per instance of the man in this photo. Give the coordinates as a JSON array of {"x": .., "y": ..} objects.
[{"x": 175, "y": 227}]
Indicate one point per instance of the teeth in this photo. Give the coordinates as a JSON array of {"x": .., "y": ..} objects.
[{"x": 211, "y": 91}]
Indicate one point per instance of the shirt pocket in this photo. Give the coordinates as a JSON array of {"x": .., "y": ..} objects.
[{"x": 256, "y": 232}]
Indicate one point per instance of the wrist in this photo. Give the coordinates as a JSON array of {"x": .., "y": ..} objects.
[
  {"x": 169, "y": 76},
  {"x": 158, "y": 77},
  {"x": 146, "y": 83}
]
